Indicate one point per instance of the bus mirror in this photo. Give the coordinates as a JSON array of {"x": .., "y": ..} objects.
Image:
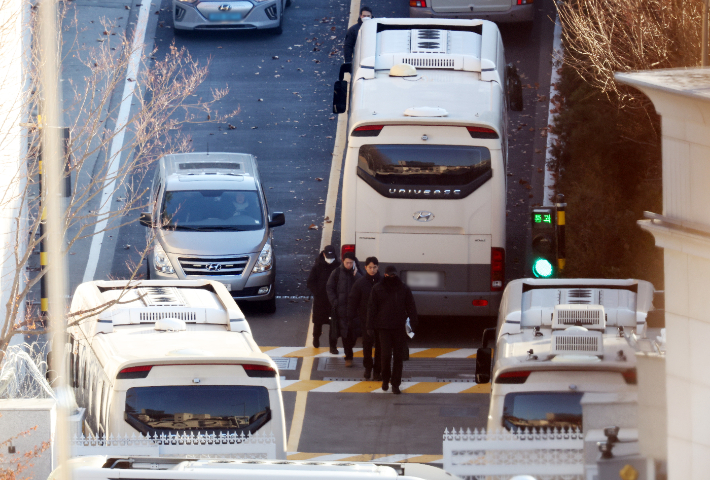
[
  {"x": 514, "y": 88},
  {"x": 488, "y": 334},
  {"x": 483, "y": 365},
  {"x": 340, "y": 96},
  {"x": 345, "y": 68},
  {"x": 146, "y": 219}
]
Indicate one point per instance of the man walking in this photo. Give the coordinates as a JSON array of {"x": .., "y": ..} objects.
[
  {"x": 326, "y": 262},
  {"x": 391, "y": 302},
  {"x": 357, "y": 312},
  {"x": 351, "y": 35},
  {"x": 340, "y": 283}
]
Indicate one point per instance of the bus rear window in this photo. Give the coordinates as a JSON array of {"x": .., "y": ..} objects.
[
  {"x": 542, "y": 410},
  {"x": 395, "y": 170},
  {"x": 208, "y": 408}
]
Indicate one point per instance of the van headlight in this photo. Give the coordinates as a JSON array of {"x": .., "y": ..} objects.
[
  {"x": 265, "y": 260},
  {"x": 161, "y": 260}
]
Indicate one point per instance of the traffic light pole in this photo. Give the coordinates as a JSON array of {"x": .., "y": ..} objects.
[{"x": 561, "y": 253}]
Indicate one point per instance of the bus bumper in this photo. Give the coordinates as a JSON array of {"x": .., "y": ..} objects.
[{"x": 457, "y": 303}]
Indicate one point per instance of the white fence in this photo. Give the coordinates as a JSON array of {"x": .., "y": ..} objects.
[
  {"x": 256, "y": 446},
  {"x": 548, "y": 455}
]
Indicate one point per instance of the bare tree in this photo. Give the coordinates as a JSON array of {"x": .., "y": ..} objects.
[
  {"x": 15, "y": 466},
  {"x": 606, "y": 36},
  {"x": 164, "y": 99}
]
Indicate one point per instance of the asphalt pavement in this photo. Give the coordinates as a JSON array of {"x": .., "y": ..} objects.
[{"x": 282, "y": 86}]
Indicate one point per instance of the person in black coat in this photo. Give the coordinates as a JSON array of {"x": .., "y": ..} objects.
[
  {"x": 357, "y": 312},
  {"x": 326, "y": 262},
  {"x": 340, "y": 283},
  {"x": 351, "y": 35},
  {"x": 391, "y": 302}
]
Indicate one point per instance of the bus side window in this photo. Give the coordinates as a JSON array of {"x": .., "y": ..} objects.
[{"x": 97, "y": 406}]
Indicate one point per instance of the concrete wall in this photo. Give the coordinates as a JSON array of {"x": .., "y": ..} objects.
[{"x": 19, "y": 416}]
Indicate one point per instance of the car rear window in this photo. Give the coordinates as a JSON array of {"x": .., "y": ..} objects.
[
  {"x": 411, "y": 168},
  {"x": 542, "y": 410},
  {"x": 206, "y": 408}
]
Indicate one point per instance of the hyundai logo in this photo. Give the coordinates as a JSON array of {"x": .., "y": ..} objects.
[
  {"x": 214, "y": 267},
  {"x": 423, "y": 216},
  {"x": 225, "y": 8}
]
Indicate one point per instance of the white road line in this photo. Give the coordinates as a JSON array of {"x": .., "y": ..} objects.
[
  {"x": 114, "y": 160},
  {"x": 332, "y": 387},
  {"x": 454, "y": 387},
  {"x": 549, "y": 188}
]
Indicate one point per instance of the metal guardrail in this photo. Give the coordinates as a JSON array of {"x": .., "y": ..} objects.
[
  {"x": 546, "y": 455},
  {"x": 256, "y": 446}
]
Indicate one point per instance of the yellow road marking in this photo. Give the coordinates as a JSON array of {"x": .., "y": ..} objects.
[
  {"x": 424, "y": 387},
  {"x": 363, "y": 458},
  {"x": 308, "y": 351},
  {"x": 480, "y": 388},
  {"x": 363, "y": 387},
  {"x": 304, "y": 386},
  {"x": 266, "y": 349},
  {"x": 432, "y": 352},
  {"x": 423, "y": 459}
]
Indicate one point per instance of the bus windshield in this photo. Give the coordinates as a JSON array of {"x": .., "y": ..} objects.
[{"x": 213, "y": 408}]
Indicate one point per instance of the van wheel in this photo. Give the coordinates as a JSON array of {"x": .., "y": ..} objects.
[{"x": 269, "y": 306}]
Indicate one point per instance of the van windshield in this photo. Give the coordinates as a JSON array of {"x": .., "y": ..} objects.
[
  {"x": 212, "y": 408},
  {"x": 205, "y": 210},
  {"x": 542, "y": 410},
  {"x": 463, "y": 168}
]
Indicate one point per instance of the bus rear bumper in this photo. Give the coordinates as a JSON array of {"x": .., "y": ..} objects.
[{"x": 457, "y": 303}]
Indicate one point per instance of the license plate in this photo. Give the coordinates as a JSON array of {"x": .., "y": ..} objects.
[
  {"x": 228, "y": 286},
  {"x": 221, "y": 17},
  {"x": 423, "y": 279}
]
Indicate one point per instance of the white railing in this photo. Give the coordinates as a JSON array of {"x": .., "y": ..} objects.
[
  {"x": 547, "y": 455},
  {"x": 256, "y": 446}
]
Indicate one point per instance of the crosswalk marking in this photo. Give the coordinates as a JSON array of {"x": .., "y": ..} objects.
[
  {"x": 378, "y": 457},
  {"x": 299, "y": 352},
  {"x": 324, "y": 386}
]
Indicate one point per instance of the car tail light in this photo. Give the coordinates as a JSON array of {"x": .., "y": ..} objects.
[
  {"x": 480, "y": 303},
  {"x": 524, "y": 2},
  {"x": 417, "y": 3},
  {"x": 259, "y": 370},
  {"x": 629, "y": 376},
  {"x": 346, "y": 249},
  {"x": 481, "y": 132},
  {"x": 134, "y": 372},
  {"x": 497, "y": 269},
  {"x": 367, "y": 131},
  {"x": 513, "y": 377}
]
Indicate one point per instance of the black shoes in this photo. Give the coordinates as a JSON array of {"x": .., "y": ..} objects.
[
  {"x": 396, "y": 390},
  {"x": 377, "y": 377},
  {"x": 385, "y": 386},
  {"x": 316, "y": 342},
  {"x": 368, "y": 374},
  {"x": 333, "y": 350}
]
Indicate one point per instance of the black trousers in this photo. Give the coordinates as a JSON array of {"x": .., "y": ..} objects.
[
  {"x": 318, "y": 329},
  {"x": 392, "y": 345},
  {"x": 367, "y": 343}
]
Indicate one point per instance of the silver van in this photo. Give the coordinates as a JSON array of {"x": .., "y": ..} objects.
[
  {"x": 502, "y": 11},
  {"x": 210, "y": 220}
]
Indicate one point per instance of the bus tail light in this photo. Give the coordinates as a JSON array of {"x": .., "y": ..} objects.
[
  {"x": 525, "y": 2},
  {"x": 481, "y": 132},
  {"x": 259, "y": 370},
  {"x": 629, "y": 376},
  {"x": 497, "y": 269},
  {"x": 134, "y": 372},
  {"x": 417, "y": 3},
  {"x": 346, "y": 249},
  {"x": 513, "y": 377},
  {"x": 480, "y": 303},
  {"x": 367, "y": 131}
]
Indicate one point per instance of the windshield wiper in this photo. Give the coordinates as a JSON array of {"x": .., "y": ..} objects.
[
  {"x": 182, "y": 227},
  {"x": 221, "y": 228}
]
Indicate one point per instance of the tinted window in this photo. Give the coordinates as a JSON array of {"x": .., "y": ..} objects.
[
  {"x": 389, "y": 168},
  {"x": 197, "y": 408},
  {"x": 212, "y": 210},
  {"x": 542, "y": 410}
]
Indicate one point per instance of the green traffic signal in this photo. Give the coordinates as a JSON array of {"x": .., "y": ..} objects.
[{"x": 542, "y": 268}]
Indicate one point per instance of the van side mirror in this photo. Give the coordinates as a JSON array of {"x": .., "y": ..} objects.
[
  {"x": 513, "y": 88},
  {"x": 340, "y": 96},
  {"x": 146, "y": 219},
  {"x": 276, "y": 219},
  {"x": 484, "y": 359}
]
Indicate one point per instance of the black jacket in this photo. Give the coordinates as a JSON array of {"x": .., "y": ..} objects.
[
  {"x": 350, "y": 38},
  {"x": 340, "y": 283},
  {"x": 317, "y": 281},
  {"x": 391, "y": 302},
  {"x": 360, "y": 296}
]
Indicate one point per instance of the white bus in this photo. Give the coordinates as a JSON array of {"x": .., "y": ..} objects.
[
  {"x": 557, "y": 340},
  {"x": 170, "y": 357},
  {"x": 424, "y": 185}
]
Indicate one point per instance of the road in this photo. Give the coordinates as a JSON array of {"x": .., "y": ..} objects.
[{"x": 283, "y": 88}]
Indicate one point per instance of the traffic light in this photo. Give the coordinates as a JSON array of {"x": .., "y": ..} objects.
[{"x": 544, "y": 244}]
